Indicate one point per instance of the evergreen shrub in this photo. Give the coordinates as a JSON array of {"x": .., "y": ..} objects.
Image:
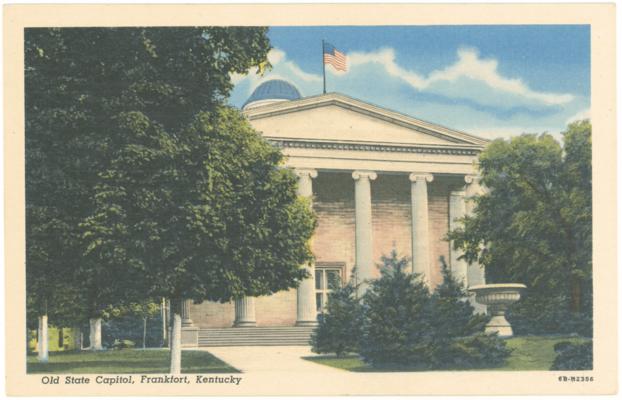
[
  {"x": 399, "y": 324},
  {"x": 573, "y": 356},
  {"x": 339, "y": 327}
]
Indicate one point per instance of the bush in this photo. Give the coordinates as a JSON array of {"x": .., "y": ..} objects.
[
  {"x": 477, "y": 351},
  {"x": 573, "y": 356},
  {"x": 339, "y": 328},
  {"x": 453, "y": 313},
  {"x": 404, "y": 325},
  {"x": 130, "y": 328},
  {"x": 397, "y": 323},
  {"x": 536, "y": 314}
]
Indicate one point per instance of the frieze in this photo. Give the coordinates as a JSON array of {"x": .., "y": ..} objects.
[{"x": 305, "y": 144}]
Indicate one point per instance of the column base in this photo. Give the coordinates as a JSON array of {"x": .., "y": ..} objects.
[
  {"x": 190, "y": 336},
  {"x": 306, "y": 323},
  {"x": 244, "y": 324}
]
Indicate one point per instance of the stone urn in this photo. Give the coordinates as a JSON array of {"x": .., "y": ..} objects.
[{"x": 498, "y": 297}]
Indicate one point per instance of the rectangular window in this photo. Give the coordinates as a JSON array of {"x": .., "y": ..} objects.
[{"x": 327, "y": 279}]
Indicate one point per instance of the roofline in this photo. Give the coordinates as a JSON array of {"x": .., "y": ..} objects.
[{"x": 378, "y": 111}]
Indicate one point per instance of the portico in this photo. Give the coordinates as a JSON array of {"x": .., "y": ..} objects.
[{"x": 378, "y": 181}]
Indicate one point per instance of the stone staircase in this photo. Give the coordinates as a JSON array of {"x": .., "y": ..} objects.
[{"x": 255, "y": 336}]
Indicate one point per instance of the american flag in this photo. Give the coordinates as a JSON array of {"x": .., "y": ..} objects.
[{"x": 334, "y": 57}]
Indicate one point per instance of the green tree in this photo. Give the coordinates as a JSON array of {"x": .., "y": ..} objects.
[
  {"x": 207, "y": 214},
  {"x": 81, "y": 86},
  {"x": 534, "y": 226}
]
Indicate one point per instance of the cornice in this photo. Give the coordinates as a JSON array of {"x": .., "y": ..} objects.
[{"x": 389, "y": 148}]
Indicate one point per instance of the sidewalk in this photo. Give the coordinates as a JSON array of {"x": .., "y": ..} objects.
[{"x": 264, "y": 359}]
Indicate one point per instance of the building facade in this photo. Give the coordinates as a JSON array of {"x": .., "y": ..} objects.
[{"x": 379, "y": 180}]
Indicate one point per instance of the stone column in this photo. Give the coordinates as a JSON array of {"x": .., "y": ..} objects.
[
  {"x": 364, "y": 243},
  {"x": 245, "y": 312},
  {"x": 306, "y": 310},
  {"x": 456, "y": 212},
  {"x": 186, "y": 321},
  {"x": 189, "y": 332},
  {"x": 420, "y": 230},
  {"x": 475, "y": 272}
]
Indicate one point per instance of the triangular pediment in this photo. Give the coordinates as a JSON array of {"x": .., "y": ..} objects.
[{"x": 337, "y": 117}]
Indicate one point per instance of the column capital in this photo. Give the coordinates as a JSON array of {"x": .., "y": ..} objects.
[
  {"x": 301, "y": 172},
  {"x": 371, "y": 175},
  {"x": 420, "y": 176}
]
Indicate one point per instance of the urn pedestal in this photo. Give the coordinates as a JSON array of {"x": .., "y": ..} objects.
[{"x": 498, "y": 297}]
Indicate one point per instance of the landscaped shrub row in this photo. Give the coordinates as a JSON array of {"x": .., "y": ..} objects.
[{"x": 399, "y": 323}]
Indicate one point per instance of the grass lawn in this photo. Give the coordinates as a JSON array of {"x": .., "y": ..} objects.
[
  {"x": 529, "y": 353},
  {"x": 126, "y": 362}
]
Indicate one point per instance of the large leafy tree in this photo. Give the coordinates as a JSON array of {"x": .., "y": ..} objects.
[
  {"x": 207, "y": 214},
  {"x": 82, "y": 87},
  {"x": 534, "y": 226}
]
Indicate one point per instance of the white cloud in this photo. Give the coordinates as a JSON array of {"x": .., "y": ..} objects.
[
  {"x": 299, "y": 73},
  {"x": 583, "y": 114},
  {"x": 386, "y": 58},
  {"x": 282, "y": 68},
  {"x": 275, "y": 56},
  {"x": 468, "y": 66}
]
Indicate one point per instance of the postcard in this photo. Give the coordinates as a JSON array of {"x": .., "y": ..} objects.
[{"x": 296, "y": 199}]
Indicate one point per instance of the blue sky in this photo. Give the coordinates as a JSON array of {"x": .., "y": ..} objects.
[{"x": 492, "y": 81}]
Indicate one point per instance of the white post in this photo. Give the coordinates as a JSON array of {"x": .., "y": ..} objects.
[
  {"x": 245, "y": 312},
  {"x": 420, "y": 229},
  {"x": 77, "y": 337},
  {"x": 175, "y": 367},
  {"x": 306, "y": 310},
  {"x": 475, "y": 272},
  {"x": 95, "y": 334},
  {"x": 363, "y": 233},
  {"x": 42, "y": 339},
  {"x": 456, "y": 212},
  {"x": 164, "y": 320}
]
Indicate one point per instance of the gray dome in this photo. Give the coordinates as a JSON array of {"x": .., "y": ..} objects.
[{"x": 275, "y": 89}]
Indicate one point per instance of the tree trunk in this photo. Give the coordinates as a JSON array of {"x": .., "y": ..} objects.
[
  {"x": 144, "y": 332},
  {"x": 61, "y": 341},
  {"x": 77, "y": 337},
  {"x": 42, "y": 339},
  {"x": 176, "y": 338},
  {"x": 95, "y": 334},
  {"x": 575, "y": 295}
]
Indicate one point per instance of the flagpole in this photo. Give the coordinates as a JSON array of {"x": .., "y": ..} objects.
[{"x": 323, "y": 67}]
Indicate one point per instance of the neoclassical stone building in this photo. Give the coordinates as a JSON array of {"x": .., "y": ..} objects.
[{"x": 379, "y": 180}]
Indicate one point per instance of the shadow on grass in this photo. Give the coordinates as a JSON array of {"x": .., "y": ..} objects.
[{"x": 126, "y": 362}]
